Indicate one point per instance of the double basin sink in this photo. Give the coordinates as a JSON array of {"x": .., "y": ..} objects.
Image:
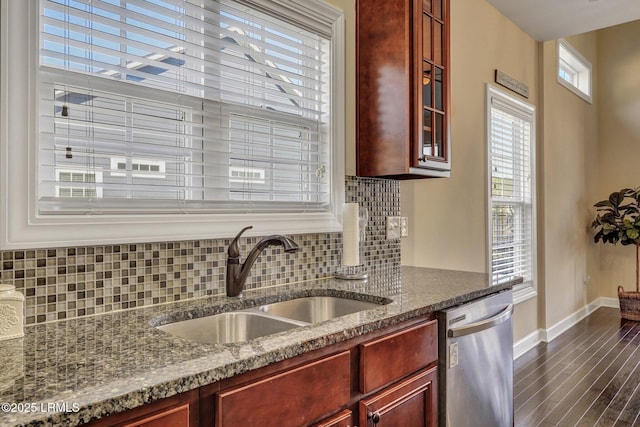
[{"x": 260, "y": 321}]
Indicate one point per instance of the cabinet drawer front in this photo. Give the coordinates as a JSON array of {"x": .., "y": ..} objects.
[
  {"x": 180, "y": 410},
  {"x": 296, "y": 397},
  {"x": 175, "y": 417},
  {"x": 412, "y": 402},
  {"x": 389, "y": 358},
  {"x": 343, "y": 419}
]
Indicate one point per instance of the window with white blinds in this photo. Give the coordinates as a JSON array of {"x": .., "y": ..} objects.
[
  {"x": 183, "y": 106},
  {"x": 511, "y": 156}
]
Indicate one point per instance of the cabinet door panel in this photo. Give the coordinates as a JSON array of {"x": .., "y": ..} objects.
[
  {"x": 383, "y": 86},
  {"x": 437, "y": 42},
  {"x": 426, "y": 36},
  {"x": 411, "y": 403},
  {"x": 296, "y": 397},
  {"x": 427, "y": 85},
  {"x": 439, "y": 92},
  {"x": 437, "y": 8},
  {"x": 438, "y": 141}
]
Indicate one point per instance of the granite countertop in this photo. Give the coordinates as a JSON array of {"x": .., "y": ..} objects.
[{"x": 73, "y": 371}]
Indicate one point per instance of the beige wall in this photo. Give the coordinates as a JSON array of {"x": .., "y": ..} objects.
[
  {"x": 447, "y": 217},
  {"x": 568, "y": 139},
  {"x": 619, "y": 145}
]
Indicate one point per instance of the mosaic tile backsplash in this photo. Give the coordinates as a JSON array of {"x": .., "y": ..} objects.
[{"x": 61, "y": 283}]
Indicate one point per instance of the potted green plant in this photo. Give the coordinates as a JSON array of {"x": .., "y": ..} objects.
[{"x": 618, "y": 220}]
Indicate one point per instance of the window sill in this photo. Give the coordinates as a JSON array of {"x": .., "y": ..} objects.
[
  {"x": 575, "y": 90},
  {"x": 120, "y": 229},
  {"x": 523, "y": 292}
]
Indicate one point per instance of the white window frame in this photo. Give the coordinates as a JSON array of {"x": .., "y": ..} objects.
[
  {"x": 571, "y": 63},
  {"x": 527, "y": 289},
  {"x": 22, "y": 227}
]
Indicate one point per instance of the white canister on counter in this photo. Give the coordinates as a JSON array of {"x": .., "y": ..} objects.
[{"x": 11, "y": 312}]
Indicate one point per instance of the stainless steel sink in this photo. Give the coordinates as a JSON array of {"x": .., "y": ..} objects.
[
  {"x": 256, "y": 322},
  {"x": 229, "y": 327},
  {"x": 316, "y": 309}
]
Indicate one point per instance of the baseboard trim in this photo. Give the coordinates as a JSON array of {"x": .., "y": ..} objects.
[
  {"x": 554, "y": 331},
  {"x": 607, "y": 302},
  {"x": 547, "y": 335},
  {"x": 527, "y": 343}
]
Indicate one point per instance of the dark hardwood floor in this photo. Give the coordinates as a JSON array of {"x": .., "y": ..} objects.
[{"x": 588, "y": 376}]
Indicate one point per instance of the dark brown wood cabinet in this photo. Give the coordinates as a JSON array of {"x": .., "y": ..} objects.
[
  {"x": 295, "y": 397},
  {"x": 176, "y": 411},
  {"x": 403, "y": 367},
  {"x": 392, "y": 372},
  {"x": 410, "y": 403},
  {"x": 402, "y": 88},
  {"x": 388, "y": 358},
  {"x": 342, "y": 419},
  {"x": 332, "y": 386}
]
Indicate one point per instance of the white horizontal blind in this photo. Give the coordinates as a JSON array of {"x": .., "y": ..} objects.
[
  {"x": 511, "y": 190},
  {"x": 178, "y": 105}
]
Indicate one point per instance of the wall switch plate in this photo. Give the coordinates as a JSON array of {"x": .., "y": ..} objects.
[
  {"x": 404, "y": 226},
  {"x": 393, "y": 227}
]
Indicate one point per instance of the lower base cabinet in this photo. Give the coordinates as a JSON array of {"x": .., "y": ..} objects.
[
  {"x": 387, "y": 378},
  {"x": 410, "y": 403},
  {"x": 295, "y": 397}
]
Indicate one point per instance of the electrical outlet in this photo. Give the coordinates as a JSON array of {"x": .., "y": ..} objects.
[
  {"x": 404, "y": 226},
  {"x": 393, "y": 227}
]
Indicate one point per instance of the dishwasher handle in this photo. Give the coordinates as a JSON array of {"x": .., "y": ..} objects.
[{"x": 472, "y": 328}]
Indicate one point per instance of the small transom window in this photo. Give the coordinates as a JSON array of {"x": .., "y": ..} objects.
[{"x": 574, "y": 70}]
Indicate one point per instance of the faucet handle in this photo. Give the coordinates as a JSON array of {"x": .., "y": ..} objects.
[{"x": 234, "y": 249}]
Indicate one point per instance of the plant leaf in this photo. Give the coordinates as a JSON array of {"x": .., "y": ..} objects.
[
  {"x": 598, "y": 236},
  {"x": 616, "y": 198},
  {"x": 603, "y": 203}
]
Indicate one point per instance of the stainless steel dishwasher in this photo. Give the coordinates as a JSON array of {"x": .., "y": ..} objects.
[{"x": 476, "y": 363}]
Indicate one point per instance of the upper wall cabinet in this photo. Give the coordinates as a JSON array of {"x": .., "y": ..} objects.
[{"x": 402, "y": 75}]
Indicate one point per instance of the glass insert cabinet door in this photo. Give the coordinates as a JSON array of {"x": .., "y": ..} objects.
[{"x": 432, "y": 94}]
